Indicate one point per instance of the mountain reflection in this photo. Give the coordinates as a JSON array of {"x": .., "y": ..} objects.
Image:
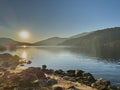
[{"x": 106, "y": 57}]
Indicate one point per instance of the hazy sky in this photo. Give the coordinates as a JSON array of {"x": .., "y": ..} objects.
[{"x": 47, "y": 18}]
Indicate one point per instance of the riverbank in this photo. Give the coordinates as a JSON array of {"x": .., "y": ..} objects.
[
  {"x": 8, "y": 61},
  {"x": 41, "y": 78},
  {"x": 36, "y": 78}
]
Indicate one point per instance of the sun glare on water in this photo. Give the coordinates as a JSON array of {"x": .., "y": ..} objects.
[{"x": 24, "y": 55}]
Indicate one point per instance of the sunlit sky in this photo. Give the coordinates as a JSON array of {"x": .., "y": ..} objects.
[{"x": 48, "y": 18}]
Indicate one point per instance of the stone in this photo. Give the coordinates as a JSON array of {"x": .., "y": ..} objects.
[
  {"x": 106, "y": 82},
  {"x": 89, "y": 77},
  {"x": 102, "y": 84},
  {"x": 70, "y": 72},
  {"x": 72, "y": 79},
  {"x": 59, "y": 72},
  {"x": 78, "y": 73},
  {"x": 58, "y": 88},
  {"x": 66, "y": 77},
  {"x": 72, "y": 88},
  {"x": 93, "y": 85},
  {"x": 44, "y": 68},
  {"x": 36, "y": 82},
  {"x": 29, "y": 62},
  {"x": 49, "y": 71},
  {"x": 52, "y": 82}
]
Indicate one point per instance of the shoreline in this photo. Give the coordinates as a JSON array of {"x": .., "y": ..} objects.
[
  {"x": 40, "y": 77},
  {"x": 49, "y": 79}
]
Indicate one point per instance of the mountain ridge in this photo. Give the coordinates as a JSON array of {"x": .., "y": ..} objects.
[
  {"x": 51, "y": 41},
  {"x": 106, "y": 34}
]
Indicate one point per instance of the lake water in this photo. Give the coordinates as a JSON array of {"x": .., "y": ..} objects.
[{"x": 65, "y": 58}]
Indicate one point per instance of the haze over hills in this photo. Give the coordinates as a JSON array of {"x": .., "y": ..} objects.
[
  {"x": 105, "y": 43},
  {"x": 58, "y": 40},
  {"x": 80, "y": 35},
  {"x": 8, "y": 41},
  {"x": 105, "y": 35},
  {"x": 51, "y": 41},
  {"x": 87, "y": 39}
]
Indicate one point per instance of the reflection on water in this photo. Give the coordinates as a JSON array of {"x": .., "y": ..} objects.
[
  {"x": 71, "y": 58},
  {"x": 24, "y": 55}
]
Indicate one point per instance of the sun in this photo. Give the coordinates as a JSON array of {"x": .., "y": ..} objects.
[{"x": 24, "y": 35}]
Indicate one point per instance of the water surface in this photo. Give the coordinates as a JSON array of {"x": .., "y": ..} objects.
[{"x": 65, "y": 58}]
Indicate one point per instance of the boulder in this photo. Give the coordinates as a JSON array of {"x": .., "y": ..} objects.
[
  {"x": 58, "y": 88},
  {"x": 59, "y": 72},
  {"x": 89, "y": 77},
  {"x": 79, "y": 73},
  {"x": 44, "y": 68},
  {"x": 71, "y": 73},
  {"x": 52, "y": 82},
  {"x": 73, "y": 79},
  {"x": 36, "y": 82},
  {"x": 49, "y": 71},
  {"x": 72, "y": 88},
  {"x": 29, "y": 62},
  {"x": 101, "y": 84},
  {"x": 66, "y": 77}
]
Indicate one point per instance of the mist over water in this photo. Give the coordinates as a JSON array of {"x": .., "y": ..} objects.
[{"x": 70, "y": 58}]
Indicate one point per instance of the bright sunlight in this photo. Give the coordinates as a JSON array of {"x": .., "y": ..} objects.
[{"x": 24, "y": 35}]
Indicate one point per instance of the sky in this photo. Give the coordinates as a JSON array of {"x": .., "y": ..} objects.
[{"x": 59, "y": 18}]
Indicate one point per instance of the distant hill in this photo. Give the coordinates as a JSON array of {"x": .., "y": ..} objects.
[
  {"x": 80, "y": 35},
  {"x": 51, "y": 41},
  {"x": 102, "y": 42},
  {"x": 101, "y": 36},
  {"x": 7, "y": 41}
]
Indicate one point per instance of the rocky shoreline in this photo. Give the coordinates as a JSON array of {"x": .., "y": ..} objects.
[
  {"x": 41, "y": 78},
  {"x": 36, "y": 78},
  {"x": 8, "y": 61}
]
